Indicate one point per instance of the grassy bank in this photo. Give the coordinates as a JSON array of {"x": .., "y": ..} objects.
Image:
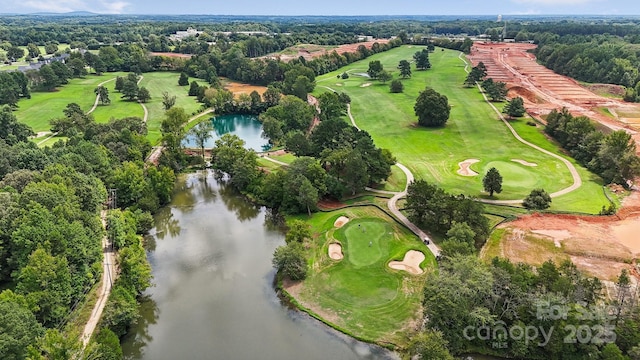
[{"x": 360, "y": 295}]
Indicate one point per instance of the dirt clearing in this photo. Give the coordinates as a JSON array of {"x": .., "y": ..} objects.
[
  {"x": 598, "y": 245},
  {"x": 543, "y": 90}
]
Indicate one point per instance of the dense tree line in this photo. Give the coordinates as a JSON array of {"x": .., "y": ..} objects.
[
  {"x": 50, "y": 229},
  {"x": 612, "y": 155},
  {"x": 481, "y": 307},
  {"x": 335, "y": 158},
  {"x": 598, "y": 58},
  {"x": 433, "y": 209}
]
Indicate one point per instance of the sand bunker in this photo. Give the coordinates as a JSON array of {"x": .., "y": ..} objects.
[
  {"x": 524, "y": 162},
  {"x": 335, "y": 251},
  {"x": 410, "y": 263},
  {"x": 341, "y": 221},
  {"x": 365, "y": 85},
  {"x": 465, "y": 167}
]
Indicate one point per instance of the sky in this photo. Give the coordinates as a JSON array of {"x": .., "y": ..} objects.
[{"x": 330, "y": 7}]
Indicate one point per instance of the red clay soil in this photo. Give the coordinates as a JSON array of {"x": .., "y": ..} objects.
[
  {"x": 600, "y": 245},
  {"x": 326, "y": 204},
  {"x": 310, "y": 54},
  {"x": 172, "y": 55},
  {"x": 543, "y": 90}
]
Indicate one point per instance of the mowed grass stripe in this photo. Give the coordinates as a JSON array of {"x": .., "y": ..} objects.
[
  {"x": 44, "y": 106},
  {"x": 473, "y": 131}
]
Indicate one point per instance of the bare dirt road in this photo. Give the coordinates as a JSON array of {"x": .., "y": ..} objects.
[
  {"x": 543, "y": 90},
  {"x": 109, "y": 273}
]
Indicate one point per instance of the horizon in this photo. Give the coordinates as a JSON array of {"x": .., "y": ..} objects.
[{"x": 329, "y": 8}]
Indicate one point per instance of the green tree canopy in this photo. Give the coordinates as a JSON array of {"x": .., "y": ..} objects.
[{"x": 432, "y": 108}]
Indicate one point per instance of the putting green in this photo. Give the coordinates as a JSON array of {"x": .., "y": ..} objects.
[
  {"x": 514, "y": 175},
  {"x": 366, "y": 241},
  {"x": 360, "y": 295}
]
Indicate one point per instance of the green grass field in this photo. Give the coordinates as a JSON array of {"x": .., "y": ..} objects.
[
  {"x": 369, "y": 300},
  {"x": 472, "y": 132},
  {"x": 118, "y": 108},
  {"x": 157, "y": 83},
  {"x": 44, "y": 106}
]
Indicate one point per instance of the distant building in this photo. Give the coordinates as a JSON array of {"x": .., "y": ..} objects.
[
  {"x": 362, "y": 38},
  {"x": 38, "y": 64},
  {"x": 180, "y": 35}
]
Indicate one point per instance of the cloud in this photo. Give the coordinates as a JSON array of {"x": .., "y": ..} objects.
[
  {"x": 55, "y": 6},
  {"x": 113, "y": 7}
]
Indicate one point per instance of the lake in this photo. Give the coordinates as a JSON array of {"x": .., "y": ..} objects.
[
  {"x": 214, "y": 297},
  {"x": 247, "y": 127}
]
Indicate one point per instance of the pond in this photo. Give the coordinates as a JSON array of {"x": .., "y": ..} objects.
[
  {"x": 247, "y": 127},
  {"x": 214, "y": 296}
]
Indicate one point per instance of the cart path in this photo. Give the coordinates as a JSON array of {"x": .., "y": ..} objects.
[
  {"x": 577, "y": 180},
  {"x": 109, "y": 273}
]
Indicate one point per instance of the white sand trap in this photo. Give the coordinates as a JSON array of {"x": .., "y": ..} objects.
[
  {"x": 524, "y": 162},
  {"x": 410, "y": 263},
  {"x": 365, "y": 85},
  {"x": 341, "y": 221},
  {"x": 335, "y": 251},
  {"x": 465, "y": 169},
  {"x": 338, "y": 84}
]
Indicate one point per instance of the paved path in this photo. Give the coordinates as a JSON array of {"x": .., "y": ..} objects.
[
  {"x": 577, "y": 181},
  {"x": 109, "y": 273},
  {"x": 95, "y": 103},
  {"x": 93, "y": 108},
  {"x": 392, "y": 204},
  {"x": 157, "y": 150},
  {"x": 144, "y": 107}
]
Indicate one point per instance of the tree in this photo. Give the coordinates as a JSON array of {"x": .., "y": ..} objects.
[
  {"x": 298, "y": 231},
  {"x": 46, "y": 284},
  {"x": 477, "y": 74},
  {"x": 168, "y": 100},
  {"x": 33, "y": 50},
  {"x": 194, "y": 88},
  {"x": 492, "y": 181},
  {"x": 49, "y": 78},
  {"x": 432, "y": 108},
  {"x": 103, "y": 94},
  {"x": 616, "y": 158},
  {"x": 143, "y": 94},
  {"x": 50, "y": 48},
  {"x": 119, "y": 83},
  {"x": 422, "y": 59},
  {"x": 331, "y": 106},
  {"x": 129, "y": 90},
  {"x": 12, "y": 131},
  {"x": 405, "y": 68},
  {"x": 460, "y": 240},
  {"x": 19, "y": 330},
  {"x": 515, "y": 107},
  {"x": 384, "y": 76},
  {"x": 396, "y": 86},
  {"x": 15, "y": 53},
  {"x": 272, "y": 96},
  {"x": 202, "y": 132},
  {"x": 290, "y": 261},
  {"x": 538, "y": 199},
  {"x": 301, "y": 87},
  {"x": 375, "y": 68},
  {"x": 496, "y": 90},
  {"x": 183, "y": 80},
  {"x": 430, "y": 345}
]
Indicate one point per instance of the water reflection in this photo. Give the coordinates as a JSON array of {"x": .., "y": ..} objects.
[
  {"x": 137, "y": 341},
  {"x": 247, "y": 127},
  {"x": 213, "y": 296}
]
